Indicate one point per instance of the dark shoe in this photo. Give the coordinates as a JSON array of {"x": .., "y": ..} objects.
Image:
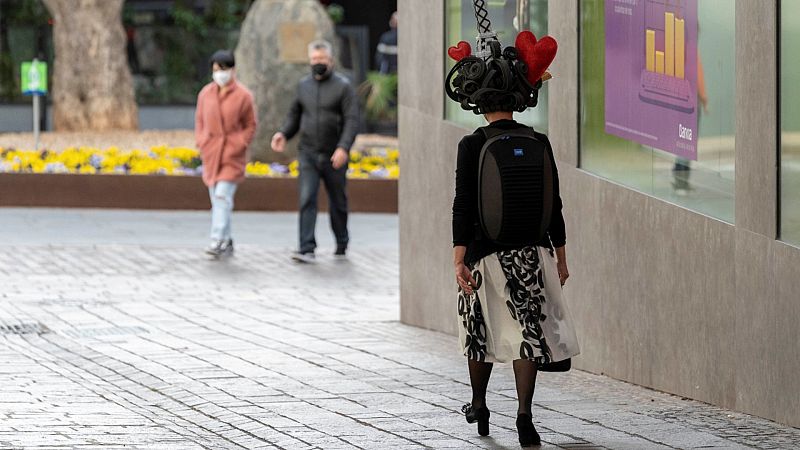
[
  {"x": 341, "y": 253},
  {"x": 528, "y": 436},
  {"x": 680, "y": 182},
  {"x": 480, "y": 415},
  {"x": 305, "y": 258}
]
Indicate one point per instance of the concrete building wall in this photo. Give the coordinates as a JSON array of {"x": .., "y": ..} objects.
[{"x": 664, "y": 297}]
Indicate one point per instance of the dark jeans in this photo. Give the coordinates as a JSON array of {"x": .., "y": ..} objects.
[
  {"x": 683, "y": 167},
  {"x": 314, "y": 167},
  {"x": 680, "y": 174}
]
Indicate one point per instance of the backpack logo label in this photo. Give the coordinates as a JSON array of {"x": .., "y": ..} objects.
[{"x": 519, "y": 152}]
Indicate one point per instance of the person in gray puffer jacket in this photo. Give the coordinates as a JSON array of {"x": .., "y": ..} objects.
[{"x": 325, "y": 113}]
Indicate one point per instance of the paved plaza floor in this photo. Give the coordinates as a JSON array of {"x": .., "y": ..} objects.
[{"x": 118, "y": 333}]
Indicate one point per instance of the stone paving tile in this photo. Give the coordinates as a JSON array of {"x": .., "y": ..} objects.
[{"x": 154, "y": 347}]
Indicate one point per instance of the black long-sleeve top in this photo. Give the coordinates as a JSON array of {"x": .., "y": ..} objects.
[
  {"x": 466, "y": 227},
  {"x": 325, "y": 112}
]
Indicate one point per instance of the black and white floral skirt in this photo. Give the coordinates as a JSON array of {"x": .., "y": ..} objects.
[{"x": 518, "y": 310}]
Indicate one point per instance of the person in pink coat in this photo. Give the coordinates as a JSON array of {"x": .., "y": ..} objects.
[{"x": 225, "y": 123}]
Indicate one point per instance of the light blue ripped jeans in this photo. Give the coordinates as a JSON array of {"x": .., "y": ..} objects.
[{"x": 221, "y": 209}]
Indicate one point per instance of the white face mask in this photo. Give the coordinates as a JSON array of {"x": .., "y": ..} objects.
[{"x": 222, "y": 77}]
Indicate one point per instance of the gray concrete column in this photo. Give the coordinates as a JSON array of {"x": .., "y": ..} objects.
[
  {"x": 562, "y": 24},
  {"x": 756, "y": 117},
  {"x": 428, "y": 145},
  {"x": 421, "y": 60}
]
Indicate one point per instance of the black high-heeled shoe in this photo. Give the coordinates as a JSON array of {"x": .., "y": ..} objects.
[
  {"x": 480, "y": 415},
  {"x": 527, "y": 432}
]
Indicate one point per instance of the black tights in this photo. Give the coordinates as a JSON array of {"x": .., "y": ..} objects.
[
  {"x": 524, "y": 374},
  {"x": 479, "y": 373}
]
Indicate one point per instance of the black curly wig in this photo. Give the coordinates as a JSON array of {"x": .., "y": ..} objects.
[{"x": 497, "y": 84}]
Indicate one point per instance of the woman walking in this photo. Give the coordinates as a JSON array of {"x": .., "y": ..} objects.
[
  {"x": 510, "y": 303},
  {"x": 225, "y": 123}
]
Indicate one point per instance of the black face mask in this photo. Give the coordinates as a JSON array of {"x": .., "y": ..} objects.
[{"x": 319, "y": 69}]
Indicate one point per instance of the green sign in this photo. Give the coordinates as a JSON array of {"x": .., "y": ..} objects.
[{"x": 34, "y": 78}]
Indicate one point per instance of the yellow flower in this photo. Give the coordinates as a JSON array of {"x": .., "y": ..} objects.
[
  {"x": 258, "y": 169},
  {"x": 165, "y": 160},
  {"x": 294, "y": 169}
]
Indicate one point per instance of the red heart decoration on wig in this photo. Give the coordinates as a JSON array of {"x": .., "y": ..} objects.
[
  {"x": 460, "y": 51},
  {"x": 537, "y": 55}
]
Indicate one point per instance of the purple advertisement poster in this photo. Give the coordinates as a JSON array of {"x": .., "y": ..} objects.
[{"x": 651, "y": 73}]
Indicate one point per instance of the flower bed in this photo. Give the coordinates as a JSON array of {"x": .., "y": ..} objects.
[{"x": 375, "y": 163}]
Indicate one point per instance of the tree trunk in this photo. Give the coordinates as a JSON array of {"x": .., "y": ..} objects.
[{"x": 92, "y": 84}]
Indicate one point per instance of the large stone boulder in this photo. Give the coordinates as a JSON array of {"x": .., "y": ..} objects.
[{"x": 272, "y": 56}]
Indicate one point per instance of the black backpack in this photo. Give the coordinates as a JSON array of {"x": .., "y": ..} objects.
[{"x": 515, "y": 187}]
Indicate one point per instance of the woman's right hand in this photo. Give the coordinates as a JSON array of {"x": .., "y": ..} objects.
[
  {"x": 278, "y": 142},
  {"x": 464, "y": 278}
]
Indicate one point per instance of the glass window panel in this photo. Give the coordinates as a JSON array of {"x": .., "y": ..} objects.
[
  {"x": 461, "y": 27},
  {"x": 790, "y": 121},
  {"x": 705, "y": 185}
]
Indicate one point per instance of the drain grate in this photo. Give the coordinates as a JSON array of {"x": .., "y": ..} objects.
[{"x": 23, "y": 328}]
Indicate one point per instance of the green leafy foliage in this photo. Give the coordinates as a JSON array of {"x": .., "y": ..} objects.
[
  {"x": 379, "y": 92},
  {"x": 21, "y": 21},
  {"x": 336, "y": 12}
]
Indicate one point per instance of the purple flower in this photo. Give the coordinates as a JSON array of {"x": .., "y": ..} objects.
[
  {"x": 379, "y": 173},
  {"x": 279, "y": 168},
  {"x": 96, "y": 161}
]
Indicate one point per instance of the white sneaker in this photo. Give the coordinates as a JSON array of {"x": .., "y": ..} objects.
[
  {"x": 227, "y": 248},
  {"x": 305, "y": 258},
  {"x": 682, "y": 189},
  {"x": 219, "y": 249},
  {"x": 214, "y": 249}
]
